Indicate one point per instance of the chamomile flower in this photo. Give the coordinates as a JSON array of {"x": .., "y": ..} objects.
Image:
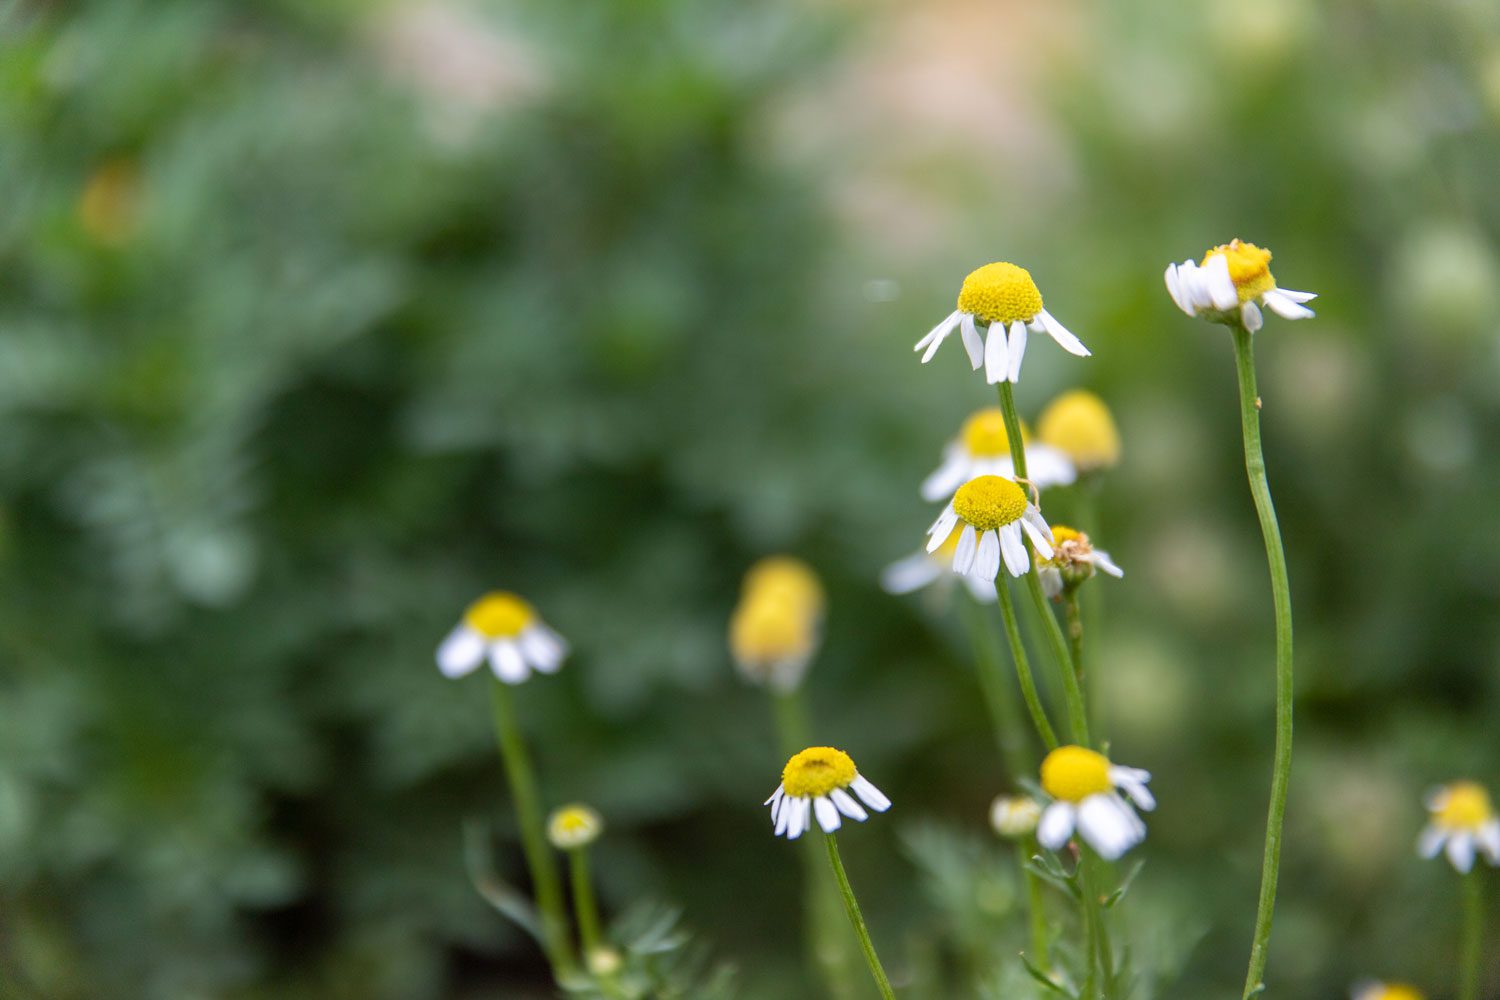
[
  {"x": 1462, "y": 823},
  {"x": 817, "y": 783},
  {"x": 507, "y": 630},
  {"x": 785, "y": 578},
  {"x": 923, "y": 568},
  {"x": 1231, "y": 284},
  {"x": 993, "y": 512},
  {"x": 574, "y": 826},
  {"x": 1073, "y": 561},
  {"x": 1014, "y": 816},
  {"x": 982, "y": 448},
  {"x": 1085, "y": 788},
  {"x": 776, "y": 627},
  {"x": 1003, "y": 299},
  {"x": 1371, "y": 990},
  {"x": 1079, "y": 424}
]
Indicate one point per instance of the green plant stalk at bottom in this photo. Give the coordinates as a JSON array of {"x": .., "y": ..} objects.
[
  {"x": 851, "y": 907},
  {"x": 1473, "y": 935},
  {"x": 545, "y": 880},
  {"x": 1281, "y": 596}
]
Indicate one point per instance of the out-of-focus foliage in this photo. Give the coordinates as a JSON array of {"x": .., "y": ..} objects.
[{"x": 317, "y": 320}]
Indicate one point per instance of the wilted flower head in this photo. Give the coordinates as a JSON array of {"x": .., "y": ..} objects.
[
  {"x": 1073, "y": 561},
  {"x": 1231, "y": 284},
  {"x": 1462, "y": 821},
  {"x": 1002, "y": 298},
  {"x": 1079, "y": 424},
  {"x": 1014, "y": 816},
  {"x": 817, "y": 782},
  {"x": 507, "y": 630},
  {"x": 574, "y": 826}
]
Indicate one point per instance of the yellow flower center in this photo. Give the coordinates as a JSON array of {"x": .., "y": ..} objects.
[
  {"x": 1249, "y": 268},
  {"x": 989, "y": 502},
  {"x": 1000, "y": 293},
  {"x": 770, "y": 628},
  {"x": 817, "y": 771},
  {"x": 984, "y": 434},
  {"x": 1397, "y": 991},
  {"x": 1073, "y": 773},
  {"x": 785, "y": 578},
  {"x": 1079, "y": 425},
  {"x": 1062, "y": 533},
  {"x": 574, "y": 826},
  {"x": 499, "y": 615},
  {"x": 1465, "y": 806}
]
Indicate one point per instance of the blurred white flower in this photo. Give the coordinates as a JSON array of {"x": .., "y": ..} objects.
[
  {"x": 1463, "y": 823},
  {"x": 506, "y": 629},
  {"x": 1085, "y": 788},
  {"x": 982, "y": 448}
]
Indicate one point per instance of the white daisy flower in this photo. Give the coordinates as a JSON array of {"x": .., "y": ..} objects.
[
  {"x": 1004, "y": 300},
  {"x": 574, "y": 826},
  {"x": 993, "y": 512},
  {"x": 1463, "y": 823},
  {"x": 1014, "y": 816},
  {"x": 817, "y": 783},
  {"x": 506, "y": 629},
  {"x": 1231, "y": 285},
  {"x": 982, "y": 448},
  {"x": 1085, "y": 788},
  {"x": 924, "y": 568},
  {"x": 1372, "y": 990},
  {"x": 1073, "y": 561}
]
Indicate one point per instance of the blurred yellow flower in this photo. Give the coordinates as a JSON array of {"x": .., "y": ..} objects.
[
  {"x": 507, "y": 630},
  {"x": 1462, "y": 820},
  {"x": 1386, "y": 991},
  {"x": 1079, "y": 424},
  {"x": 788, "y": 578},
  {"x": 775, "y": 629},
  {"x": 1014, "y": 816},
  {"x": 108, "y": 204},
  {"x": 982, "y": 448},
  {"x": 574, "y": 826}
]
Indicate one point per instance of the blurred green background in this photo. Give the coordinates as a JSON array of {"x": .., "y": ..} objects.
[{"x": 318, "y": 319}]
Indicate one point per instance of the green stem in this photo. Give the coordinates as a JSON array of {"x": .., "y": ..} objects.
[
  {"x": 1100, "y": 953},
  {"x": 1003, "y": 714},
  {"x": 851, "y": 906},
  {"x": 1023, "y": 665},
  {"x": 1281, "y": 593},
  {"x": 1078, "y": 720},
  {"x": 826, "y": 946},
  {"x": 1468, "y": 966},
  {"x": 1026, "y": 848},
  {"x": 544, "y": 875},
  {"x": 1075, "y": 632},
  {"x": 583, "y": 901}
]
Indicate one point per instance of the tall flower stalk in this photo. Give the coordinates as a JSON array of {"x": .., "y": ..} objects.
[{"x": 1473, "y": 935}]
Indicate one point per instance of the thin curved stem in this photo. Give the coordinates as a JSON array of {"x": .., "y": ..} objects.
[
  {"x": 1281, "y": 596},
  {"x": 1035, "y": 912},
  {"x": 584, "y": 905},
  {"x": 1473, "y": 935},
  {"x": 851, "y": 906},
  {"x": 1023, "y": 666},
  {"x": 992, "y": 682},
  {"x": 546, "y": 882}
]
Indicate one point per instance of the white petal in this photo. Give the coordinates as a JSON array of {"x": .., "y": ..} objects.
[
  {"x": 828, "y": 814},
  {"x": 507, "y": 662},
  {"x": 784, "y": 819},
  {"x": 1296, "y": 296},
  {"x": 987, "y": 560},
  {"x": 1108, "y": 825},
  {"x": 912, "y": 573},
  {"x": 1016, "y": 349},
  {"x": 1282, "y": 304},
  {"x": 460, "y": 652},
  {"x": 1132, "y": 781},
  {"x": 1012, "y": 549},
  {"x": 846, "y": 805},
  {"x": 1055, "y": 826},
  {"x": 941, "y": 528},
  {"x": 1489, "y": 840},
  {"x": 869, "y": 794},
  {"x": 996, "y": 356},
  {"x": 1218, "y": 284},
  {"x": 949, "y": 476},
  {"x": 1461, "y": 851},
  {"x": 1431, "y": 841},
  {"x": 801, "y": 817},
  {"x": 1174, "y": 289},
  {"x": 983, "y": 591},
  {"x": 936, "y": 336},
  {"x": 1040, "y": 537},
  {"x": 963, "y": 554},
  {"x": 776, "y": 796},
  {"x": 972, "y": 343},
  {"x": 1251, "y": 317},
  {"x": 1060, "y": 333},
  {"x": 1047, "y": 466},
  {"x": 1103, "y": 562},
  {"x": 542, "y": 649},
  {"x": 1052, "y": 581}
]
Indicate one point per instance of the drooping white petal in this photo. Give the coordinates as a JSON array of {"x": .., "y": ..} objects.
[
  {"x": 949, "y": 476},
  {"x": 460, "y": 652},
  {"x": 1190, "y": 283},
  {"x": 1048, "y": 466},
  {"x": 827, "y": 813},
  {"x": 1250, "y": 316},
  {"x": 1052, "y": 581},
  {"x": 912, "y": 573},
  {"x": 1060, "y": 333},
  {"x": 968, "y": 545},
  {"x": 1488, "y": 838},
  {"x": 1461, "y": 850},
  {"x": 1283, "y": 305},
  {"x": 1017, "y": 562},
  {"x": 996, "y": 356},
  {"x": 507, "y": 662},
  {"x": 1174, "y": 289},
  {"x": 1218, "y": 284},
  {"x": 1056, "y": 825},
  {"x": 1431, "y": 841},
  {"x": 1295, "y": 296},
  {"x": 869, "y": 794},
  {"x": 1132, "y": 781},
  {"x": 972, "y": 343},
  {"x": 776, "y": 796},
  {"x": 1041, "y": 537},
  {"x": 784, "y": 818},
  {"x": 983, "y": 591},
  {"x": 1103, "y": 562},
  {"x": 937, "y": 335},
  {"x": 1108, "y": 825},
  {"x": 1016, "y": 349},
  {"x": 846, "y": 805},
  {"x": 541, "y": 647},
  {"x": 941, "y": 528},
  {"x": 987, "y": 560}
]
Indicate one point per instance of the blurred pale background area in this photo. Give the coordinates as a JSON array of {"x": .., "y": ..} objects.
[{"x": 317, "y": 319}]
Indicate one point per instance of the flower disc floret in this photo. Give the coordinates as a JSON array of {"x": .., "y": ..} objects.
[
  {"x": 1073, "y": 773},
  {"x": 1249, "y": 267},
  {"x": 1465, "y": 805},
  {"x": 989, "y": 502},
  {"x": 817, "y": 771},
  {"x": 1000, "y": 293},
  {"x": 499, "y": 615}
]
